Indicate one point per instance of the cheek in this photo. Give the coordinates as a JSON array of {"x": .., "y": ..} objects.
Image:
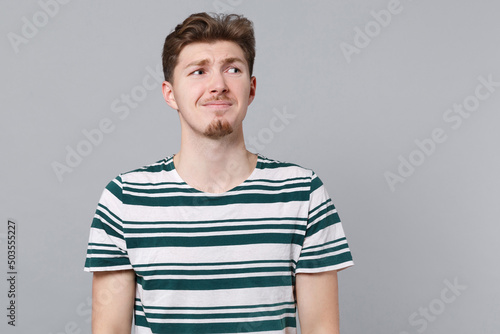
[
  {"x": 194, "y": 91},
  {"x": 244, "y": 88},
  {"x": 188, "y": 94}
]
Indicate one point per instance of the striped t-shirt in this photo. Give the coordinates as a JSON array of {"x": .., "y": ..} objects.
[{"x": 217, "y": 263}]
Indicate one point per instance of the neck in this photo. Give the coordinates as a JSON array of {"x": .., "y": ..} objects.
[{"x": 214, "y": 165}]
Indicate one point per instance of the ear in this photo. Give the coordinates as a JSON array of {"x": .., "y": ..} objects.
[
  {"x": 253, "y": 87},
  {"x": 168, "y": 94}
]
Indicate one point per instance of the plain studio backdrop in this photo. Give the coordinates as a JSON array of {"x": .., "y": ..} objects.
[{"x": 394, "y": 104}]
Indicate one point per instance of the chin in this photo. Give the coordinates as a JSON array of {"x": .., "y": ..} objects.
[{"x": 218, "y": 128}]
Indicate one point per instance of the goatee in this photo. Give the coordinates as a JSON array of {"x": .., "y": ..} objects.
[{"x": 218, "y": 129}]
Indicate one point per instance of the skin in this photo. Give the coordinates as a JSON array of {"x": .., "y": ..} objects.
[
  {"x": 113, "y": 296},
  {"x": 318, "y": 302},
  {"x": 211, "y": 91},
  {"x": 212, "y": 83}
]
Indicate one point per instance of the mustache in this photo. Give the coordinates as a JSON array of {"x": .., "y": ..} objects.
[{"x": 218, "y": 98}]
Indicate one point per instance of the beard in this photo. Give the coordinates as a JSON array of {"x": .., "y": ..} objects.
[{"x": 218, "y": 129}]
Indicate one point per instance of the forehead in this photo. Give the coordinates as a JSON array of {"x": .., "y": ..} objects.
[{"x": 212, "y": 52}]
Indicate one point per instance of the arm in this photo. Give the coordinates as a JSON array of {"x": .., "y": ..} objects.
[
  {"x": 113, "y": 299},
  {"x": 317, "y": 302}
]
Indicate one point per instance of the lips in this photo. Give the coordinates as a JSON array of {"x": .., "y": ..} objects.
[{"x": 218, "y": 104}]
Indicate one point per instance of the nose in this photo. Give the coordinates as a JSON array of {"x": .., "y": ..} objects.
[{"x": 218, "y": 84}]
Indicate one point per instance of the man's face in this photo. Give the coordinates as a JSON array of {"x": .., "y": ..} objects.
[{"x": 211, "y": 88}]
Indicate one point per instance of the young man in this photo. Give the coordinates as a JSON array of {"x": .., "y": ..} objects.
[{"x": 215, "y": 239}]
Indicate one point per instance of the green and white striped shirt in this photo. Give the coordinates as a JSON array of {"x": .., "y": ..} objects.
[{"x": 217, "y": 263}]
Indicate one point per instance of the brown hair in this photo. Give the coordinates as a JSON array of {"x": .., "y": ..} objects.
[{"x": 202, "y": 27}]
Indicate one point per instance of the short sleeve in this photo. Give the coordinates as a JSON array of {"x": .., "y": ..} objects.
[
  {"x": 325, "y": 245},
  {"x": 107, "y": 249}
]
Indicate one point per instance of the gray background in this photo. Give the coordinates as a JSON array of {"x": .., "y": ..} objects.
[{"x": 353, "y": 120}]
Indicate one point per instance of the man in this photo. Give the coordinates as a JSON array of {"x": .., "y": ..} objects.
[{"x": 215, "y": 239}]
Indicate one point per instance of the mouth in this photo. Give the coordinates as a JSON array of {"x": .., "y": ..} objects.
[{"x": 218, "y": 105}]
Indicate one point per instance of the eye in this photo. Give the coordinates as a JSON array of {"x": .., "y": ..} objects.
[
  {"x": 198, "y": 72},
  {"x": 233, "y": 70}
]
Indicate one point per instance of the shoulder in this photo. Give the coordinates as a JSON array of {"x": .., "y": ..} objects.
[
  {"x": 159, "y": 166},
  {"x": 159, "y": 171},
  {"x": 284, "y": 169}
]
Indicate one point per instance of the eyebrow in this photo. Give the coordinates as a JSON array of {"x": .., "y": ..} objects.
[{"x": 203, "y": 62}]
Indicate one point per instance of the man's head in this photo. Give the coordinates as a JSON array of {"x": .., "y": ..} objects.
[
  {"x": 208, "y": 63},
  {"x": 202, "y": 27}
]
